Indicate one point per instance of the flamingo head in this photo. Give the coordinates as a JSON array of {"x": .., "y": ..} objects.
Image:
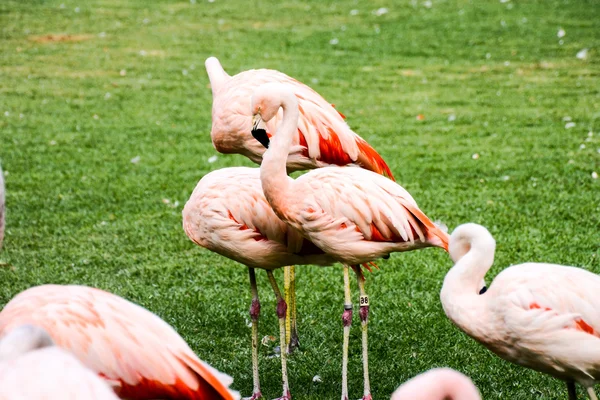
[
  {"x": 265, "y": 103},
  {"x": 23, "y": 339}
]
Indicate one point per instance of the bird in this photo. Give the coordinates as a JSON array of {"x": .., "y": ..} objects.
[
  {"x": 228, "y": 214},
  {"x": 352, "y": 214},
  {"x": 2, "y": 207},
  {"x": 438, "y": 384},
  {"x": 537, "y": 315},
  {"x": 136, "y": 352},
  {"x": 31, "y": 367},
  {"x": 323, "y": 137}
]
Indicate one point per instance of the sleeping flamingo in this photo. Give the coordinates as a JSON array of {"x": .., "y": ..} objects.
[
  {"x": 135, "y": 351},
  {"x": 2, "y": 205},
  {"x": 29, "y": 369},
  {"x": 227, "y": 213},
  {"x": 438, "y": 384},
  {"x": 352, "y": 214},
  {"x": 541, "y": 316},
  {"x": 323, "y": 137}
]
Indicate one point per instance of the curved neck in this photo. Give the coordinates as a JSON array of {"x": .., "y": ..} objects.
[
  {"x": 460, "y": 291},
  {"x": 273, "y": 172}
]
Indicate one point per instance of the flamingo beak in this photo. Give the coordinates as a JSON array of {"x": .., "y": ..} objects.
[{"x": 259, "y": 134}]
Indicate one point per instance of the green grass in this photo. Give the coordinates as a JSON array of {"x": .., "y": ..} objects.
[{"x": 79, "y": 211}]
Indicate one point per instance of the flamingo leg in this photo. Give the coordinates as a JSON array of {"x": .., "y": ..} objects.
[
  {"x": 347, "y": 321},
  {"x": 287, "y": 272},
  {"x": 281, "y": 312},
  {"x": 293, "y": 341},
  {"x": 289, "y": 290},
  {"x": 254, "y": 314},
  {"x": 364, "y": 321},
  {"x": 591, "y": 393}
]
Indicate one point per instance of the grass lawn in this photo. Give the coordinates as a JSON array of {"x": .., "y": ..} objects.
[{"x": 105, "y": 114}]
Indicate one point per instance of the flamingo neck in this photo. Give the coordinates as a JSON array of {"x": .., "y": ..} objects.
[
  {"x": 460, "y": 296},
  {"x": 273, "y": 171},
  {"x": 216, "y": 74}
]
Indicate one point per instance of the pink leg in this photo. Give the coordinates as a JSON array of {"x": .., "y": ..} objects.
[
  {"x": 346, "y": 321},
  {"x": 254, "y": 314},
  {"x": 281, "y": 312},
  {"x": 364, "y": 320}
]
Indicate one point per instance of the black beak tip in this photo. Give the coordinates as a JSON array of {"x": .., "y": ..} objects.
[
  {"x": 483, "y": 290},
  {"x": 261, "y": 135}
]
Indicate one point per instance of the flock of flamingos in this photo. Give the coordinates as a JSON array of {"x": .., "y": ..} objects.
[{"x": 81, "y": 342}]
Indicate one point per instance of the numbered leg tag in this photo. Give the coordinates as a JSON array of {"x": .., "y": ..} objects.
[{"x": 364, "y": 300}]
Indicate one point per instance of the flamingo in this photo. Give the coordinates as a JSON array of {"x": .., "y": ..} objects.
[
  {"x": 540, "y": 316},
  {"x": 352, "y": 214},
  {"x": 227, "y": 213},
  {"x": 323, "y": 137},
  {"x": 2, "y": 207},
  {"x": 438, "y": 384},
  {"x": 135, "y": 351},
  {"x": 29, "y": 369}
]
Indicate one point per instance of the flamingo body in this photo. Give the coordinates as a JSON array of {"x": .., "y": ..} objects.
[
  {"x": 227, "y": 213},
  {"x": 541, "y": 316},
  {"x": 438, "y": 384},
  {"x": 322, "y": 136},
  {"x": 356, "y": 215},
  {"x": 353, "y": 214},
  {"x": 50, "y": 374},
  {"x": 133, "y": 349}
]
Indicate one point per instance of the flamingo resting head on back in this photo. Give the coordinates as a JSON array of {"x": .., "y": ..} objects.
[{"x": 540, "y": 316}]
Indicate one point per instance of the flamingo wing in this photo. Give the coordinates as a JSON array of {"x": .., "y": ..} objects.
[
  {"x": 544, "y": 299},
  {"x": 379, "y": 210},
  {"x": 126, "y": 344},
  {"x": 323, "y": 135},
  {"x": 57, "y": 374}
]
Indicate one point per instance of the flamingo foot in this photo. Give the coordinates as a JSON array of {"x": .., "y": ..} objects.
[
  {"x": 367, "y": 397},
  {"x": 255, "y": 396}
]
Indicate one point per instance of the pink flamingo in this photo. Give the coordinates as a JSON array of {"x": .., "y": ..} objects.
[
  {"x": 135, "y": 351},
  {"x": 438, "y": 384},
  {"x": 353, "y": 214},
  {"x": 540, "y": 316},
  {"x": 31, "y": 370},
  {"x": 323, "y": 137},
  {"x": 2, "y": 207},
  {"x": 227, "y": 213}
]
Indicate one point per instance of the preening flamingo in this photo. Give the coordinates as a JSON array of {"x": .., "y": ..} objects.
[
  {"x": 31, "y": 370},
  {"x": 2, "y": 207},
  {"x": 323, "y": 138},
  {"x": 227, "y": 213},
  {"x": 438, "y": 384},
  {"x": 353, "y": 214},
  {"x": 138, "y": 353},
  {"x": 541, "y": 316}
]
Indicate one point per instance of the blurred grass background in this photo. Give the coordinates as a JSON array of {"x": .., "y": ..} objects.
[{"x": 104, "y": 131}]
